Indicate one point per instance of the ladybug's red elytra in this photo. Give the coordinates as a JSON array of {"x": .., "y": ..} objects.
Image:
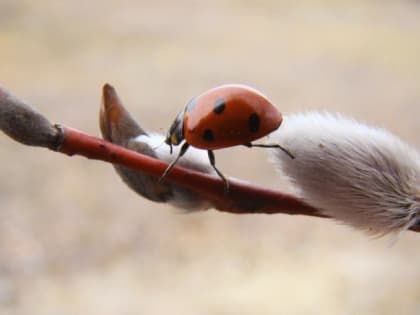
[{"x": 225, "y": 116}]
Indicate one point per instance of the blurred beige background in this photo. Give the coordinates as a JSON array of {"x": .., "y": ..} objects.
[{"x": 75, "y": 240}]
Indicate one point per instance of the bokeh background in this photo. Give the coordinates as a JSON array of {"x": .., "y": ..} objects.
[{"x": 75, "y": 240}]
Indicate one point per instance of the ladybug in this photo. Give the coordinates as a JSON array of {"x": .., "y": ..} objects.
[{"x": 224, "y": 116}]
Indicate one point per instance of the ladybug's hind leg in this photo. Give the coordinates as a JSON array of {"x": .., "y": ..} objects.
[
  {"x": 250, "y": 145},
  {"x": 213, "y": 164},
  {"x": 184, "y": 149}
]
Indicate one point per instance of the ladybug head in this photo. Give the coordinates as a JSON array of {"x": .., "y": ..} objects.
[{"x": 175, "y": 134}]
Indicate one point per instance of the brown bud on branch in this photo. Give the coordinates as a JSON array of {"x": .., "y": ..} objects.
[{"x": 24, "y": 124}]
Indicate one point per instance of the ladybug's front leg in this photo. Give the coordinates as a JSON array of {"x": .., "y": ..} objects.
[
  {"x": 184, "y": 149},
  {"x": 213, "y": 164}
]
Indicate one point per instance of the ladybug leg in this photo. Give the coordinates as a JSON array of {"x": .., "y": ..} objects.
[
  {"x": 184, "y": 149},
  {"x": 250, "y": 145},
  {"x": 213, "y": 164}
]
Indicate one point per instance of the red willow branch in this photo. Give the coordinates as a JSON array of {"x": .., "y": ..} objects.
[
  {"x": 24, "y": 124},
  {"x": 242, "y": 197}
]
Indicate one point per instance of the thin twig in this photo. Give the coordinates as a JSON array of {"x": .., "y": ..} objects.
[{"x": 242, "y": 197}]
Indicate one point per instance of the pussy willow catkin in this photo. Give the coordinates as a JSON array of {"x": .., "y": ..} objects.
[{"x": 363, "y": 176}]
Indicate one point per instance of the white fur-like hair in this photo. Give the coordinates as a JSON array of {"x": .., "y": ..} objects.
[
  {"x": 362, "y": 176},
  {"x": 195, "y": 159}
]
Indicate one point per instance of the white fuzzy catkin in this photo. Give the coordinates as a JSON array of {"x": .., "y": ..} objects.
[
  {"x": 195, "y": 159},
  {"x": 362, "y": 176}
]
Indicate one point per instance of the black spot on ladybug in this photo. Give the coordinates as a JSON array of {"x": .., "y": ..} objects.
[
  {"x": 208, "y": 135},
  {"x": 254, "y": 122},
  {"x": 219, "y": 106},
  {"x": 190, "y": 106}
]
